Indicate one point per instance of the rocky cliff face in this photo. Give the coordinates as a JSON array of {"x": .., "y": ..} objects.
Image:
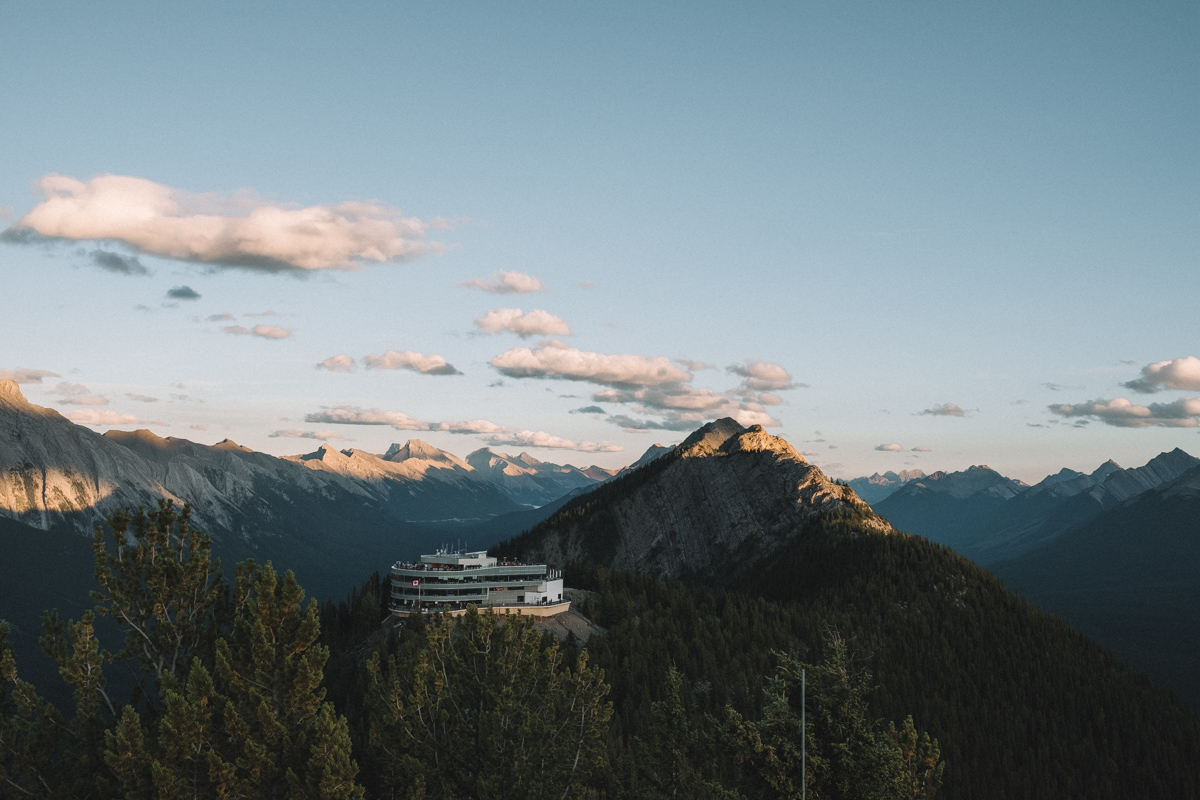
[
  {"x": 530, "y": 482},
  {"x": 54, "y": 473},
  {"x": 725, "y": 497}
]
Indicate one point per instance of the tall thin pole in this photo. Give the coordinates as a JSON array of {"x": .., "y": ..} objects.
[{"x": 803, "y": 742}]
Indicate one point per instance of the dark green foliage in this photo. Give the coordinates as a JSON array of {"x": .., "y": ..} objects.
[
  {"x": 484, "y": 707},
  {"x": 845, "y": 754},
  {"x": 234, "y": 709},
  {"x": 1022, "y": 704}
]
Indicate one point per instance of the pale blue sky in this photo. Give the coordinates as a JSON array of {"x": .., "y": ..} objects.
[{"x": 903, "y": 205}]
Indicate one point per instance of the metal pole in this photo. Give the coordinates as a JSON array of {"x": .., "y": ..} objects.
[{"x": 803, "y": 742}]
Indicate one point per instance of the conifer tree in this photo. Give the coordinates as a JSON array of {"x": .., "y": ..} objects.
[
  {"x": 484, "y": 710},
  {"x": 845, "y": 754}
]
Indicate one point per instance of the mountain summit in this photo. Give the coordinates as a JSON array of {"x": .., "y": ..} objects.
[{"x": 726, "y": 496}]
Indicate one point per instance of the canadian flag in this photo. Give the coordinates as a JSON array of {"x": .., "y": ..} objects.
[{"x": 416, "y": 583}]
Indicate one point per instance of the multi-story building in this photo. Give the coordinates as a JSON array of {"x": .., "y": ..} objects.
[{"x": 461, "y": 579}]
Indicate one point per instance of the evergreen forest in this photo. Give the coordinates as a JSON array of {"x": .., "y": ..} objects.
[{"x": 882, "y": 667}]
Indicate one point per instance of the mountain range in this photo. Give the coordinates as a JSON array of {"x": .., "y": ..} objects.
[
  {"x": 332, "y": 516},
  {"x": 990, "y": 518},
  {"x": 998, "y": 681}
]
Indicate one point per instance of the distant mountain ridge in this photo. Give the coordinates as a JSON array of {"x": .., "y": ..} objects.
[
  {"x": 1130, "y": 577},
  {"x": 991, "y": 518},
  {"x": 876, "y": 487}
]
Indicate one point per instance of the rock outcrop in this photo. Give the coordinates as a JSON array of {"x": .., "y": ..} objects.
[{"x": 727, "y": 496}]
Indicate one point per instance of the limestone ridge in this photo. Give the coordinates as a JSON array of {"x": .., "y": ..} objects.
[
  {"x": 725, "y": 498},
  {"x": 530, "y": 482}
]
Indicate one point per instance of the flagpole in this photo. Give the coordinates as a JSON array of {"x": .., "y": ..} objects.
[{"x": 803, "y": 742}]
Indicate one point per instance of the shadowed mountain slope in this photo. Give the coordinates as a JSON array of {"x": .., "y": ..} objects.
[
  {"x": 773, "y": 556},
  {"x": 990, "y": 518},
  {"x": 1130, "y": 577}
]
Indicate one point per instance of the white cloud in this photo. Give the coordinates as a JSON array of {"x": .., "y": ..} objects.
[
  {"x": 339, "y": 363},
  {"x": 553, "y": 359},
  {"x": 470, "y": 426},
  {"x": 263, "y": 331},
  {"x": 683, "y": 407},
  {"x": 101, "y": 416},
  {"x": 889, "y": 448},
  {"x": 1180, "y": 373},
  {"x": 506, "y": 283},
  {"x": 76, "y": 394},
  {"x": 763, "y": 376},
  {"x": 944, "y": 410},
  {"x": 922, "y": 450},
  {"x": 224, "y": 316},
  {"x": 26, "y": 375},
  {"x": 547, "y": 441},
  {"x": 141, "y": 398},
  {"x": 513, "y": 320},
  {"x": 353, "y": 415},
  {"x": 407, "y": 359},
  {"x": 237, "y": 230},
  {"x": 297, "y": 433},
  {"x": 1121, "y": 413}
]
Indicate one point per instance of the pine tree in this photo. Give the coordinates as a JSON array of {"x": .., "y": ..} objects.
[
  {"x": 484, "y": 710},
  {"x": 845, "y": 754}
]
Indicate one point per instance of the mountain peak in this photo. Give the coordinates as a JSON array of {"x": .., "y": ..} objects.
[
  {"x": 230, "y": 444},
  {"x": 11, "y": 391},
  {"x": 708, "y": 438},
  {"x": 756, "y": 440},
  {"x": 415, "y": 448}
]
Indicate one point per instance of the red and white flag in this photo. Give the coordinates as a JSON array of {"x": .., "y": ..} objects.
[{"x": 416, "y": 583}]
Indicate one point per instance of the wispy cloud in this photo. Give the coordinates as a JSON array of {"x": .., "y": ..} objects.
[
  {"x": 922, "y": 450},
  {"x": 415, "y": 362},
  {"x": 889, "y": 448},
  {"x": 353, "y": 415},
  {"x": 297, "y": 433},
  {"x": 182, "y": 293},
  {"x": 238, "y": 230},
  {"x": 514, "y": 320},
  {"x": 469, "y": 426},
  {"x": 141, "y": 398},
  {"x": 1121, "y": 413},
  {"x": 224, "y": 316},
  {"x": 101, "y": 416},
  {"x": 506, "y": 283},
  {"x": 338, "y": 363},
  {"x": 1179, "y": 373},
  {"x": 554, "y": 359},
  {"x": 587, "y": 410},
  {"x": 541, "y": 439},
  {"x": 262, "y": 331},
  {"x": 943, "y": 410},
  {"x": 76, "y": 394},
  {"x": 26, "y": 375},
  {"x": 763, "y": 376},
  {"x": 120, "y": 264}
]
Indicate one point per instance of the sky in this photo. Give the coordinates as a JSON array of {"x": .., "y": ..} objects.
[{"x": 901, "y": 236}]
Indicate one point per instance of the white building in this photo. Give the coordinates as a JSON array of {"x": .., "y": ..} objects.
[{"x": 461, "y": 579}]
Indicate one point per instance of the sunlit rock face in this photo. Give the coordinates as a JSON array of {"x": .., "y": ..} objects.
[
  {"x": 52, "y": 470},
  {"x": 727, "y": 495},
  {"x": 531, "y": 482}
]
